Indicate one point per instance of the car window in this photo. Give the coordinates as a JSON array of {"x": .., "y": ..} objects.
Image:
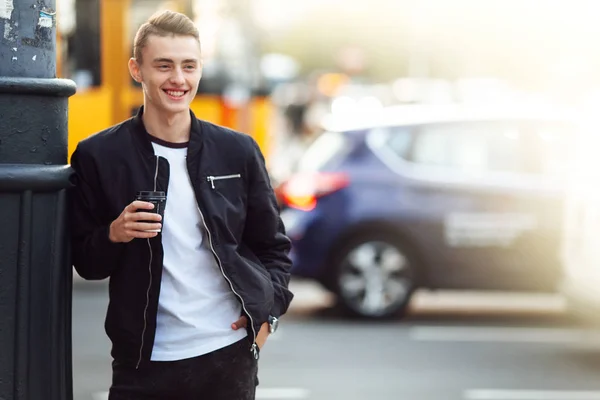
[
  {"x": 523, "y": 147},
  {"x": 321, "y": 151}
]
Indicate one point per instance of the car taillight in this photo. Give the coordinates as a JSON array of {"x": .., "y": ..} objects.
[{"x": 303, "y": 191}]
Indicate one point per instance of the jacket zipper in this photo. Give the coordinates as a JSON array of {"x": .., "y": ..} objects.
[
  {"x": 150, "y": 282},
  {"x": 253, "y": 349},
  {"x": 212, "y": 179}
]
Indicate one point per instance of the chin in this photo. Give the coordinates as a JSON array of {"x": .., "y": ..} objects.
[{"x": 176, "y": 108}]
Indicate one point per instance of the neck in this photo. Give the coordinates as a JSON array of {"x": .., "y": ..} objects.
[{"x": 173, "y": 128}]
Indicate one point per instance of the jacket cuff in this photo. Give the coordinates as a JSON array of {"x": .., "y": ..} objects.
[
  {"x": 277, "y": 310},
  {"x": 110, "y": 249}
]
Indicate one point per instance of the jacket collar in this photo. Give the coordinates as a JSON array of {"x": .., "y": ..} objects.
[{"x": 142, "y": 137}]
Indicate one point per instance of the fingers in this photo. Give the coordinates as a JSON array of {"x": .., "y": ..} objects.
[
  {"x": 240, "y": 323},
  {"x": 142, "y": 216},
  {"x": 139, "y": 205},
  {"x": 118, "y": 233},
  {"x": 142, "y": 221},
  {"x": 142, "y": 226},
  {"x": 141, "y": 234}
]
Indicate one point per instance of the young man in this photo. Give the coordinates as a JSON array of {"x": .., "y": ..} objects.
[{"x": 190, "y": 306}]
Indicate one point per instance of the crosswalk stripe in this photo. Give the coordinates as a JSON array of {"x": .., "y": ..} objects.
[
  {"x": 502, "y": 334},
  {"x": 493, "y": 394}
]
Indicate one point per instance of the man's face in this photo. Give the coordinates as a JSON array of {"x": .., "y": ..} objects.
[{"x": 170, "y": 72}]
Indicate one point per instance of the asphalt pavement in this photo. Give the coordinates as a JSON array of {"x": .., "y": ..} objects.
[{"x": 452, "y": 346}]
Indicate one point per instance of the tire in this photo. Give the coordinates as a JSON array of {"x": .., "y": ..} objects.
[{"x": 374, "y": 275}]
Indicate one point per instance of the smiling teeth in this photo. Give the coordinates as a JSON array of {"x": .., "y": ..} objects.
[{"x": 175, "y": 94}]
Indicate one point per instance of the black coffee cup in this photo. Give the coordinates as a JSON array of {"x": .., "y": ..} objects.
[{"x": 159, "y": 199}]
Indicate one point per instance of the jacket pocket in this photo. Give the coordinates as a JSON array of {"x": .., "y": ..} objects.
[
  {"x": 218, "y": 178},
  {"x": 225, "y": 195}
]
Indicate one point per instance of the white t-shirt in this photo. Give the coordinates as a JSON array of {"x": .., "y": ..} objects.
[{"x": 196, "y": 306}]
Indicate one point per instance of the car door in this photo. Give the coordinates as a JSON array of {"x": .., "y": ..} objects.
[{"x": 488, "y": 204}]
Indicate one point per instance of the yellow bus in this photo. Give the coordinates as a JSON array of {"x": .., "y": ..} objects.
[{"x": 94, "y": 45}]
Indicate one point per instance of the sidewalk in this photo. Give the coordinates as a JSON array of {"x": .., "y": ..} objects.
[{"x": 309, "y": 296}]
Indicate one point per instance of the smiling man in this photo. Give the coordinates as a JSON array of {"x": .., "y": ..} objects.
[{"x": 179, "y": 214}]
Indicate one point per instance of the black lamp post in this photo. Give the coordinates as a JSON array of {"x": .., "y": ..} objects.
[{"x": 35, "y": 271}]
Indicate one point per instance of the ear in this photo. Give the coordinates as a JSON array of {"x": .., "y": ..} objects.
[{"x": 134, "y": 70}]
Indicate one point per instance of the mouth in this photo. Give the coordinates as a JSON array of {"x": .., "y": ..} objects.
[{"x": 175, "y": 94}]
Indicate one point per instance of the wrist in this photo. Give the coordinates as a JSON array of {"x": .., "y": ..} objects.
[{"x": 111, "y": 236}]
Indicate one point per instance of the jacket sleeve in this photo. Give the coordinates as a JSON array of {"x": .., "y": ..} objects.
[
  {"x": 264, "y": 232},
  {"x": 94, "y": 255}
]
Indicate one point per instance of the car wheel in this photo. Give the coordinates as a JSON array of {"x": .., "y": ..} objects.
[{"x": 375, "y": 276}]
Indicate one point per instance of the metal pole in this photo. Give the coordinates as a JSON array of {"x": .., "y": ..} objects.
[{"x": 35, "y": 272}]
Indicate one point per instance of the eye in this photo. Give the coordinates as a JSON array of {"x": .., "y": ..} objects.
[
  {"x": 190, "y": 67},
  {"x": 163, "y": 66}
]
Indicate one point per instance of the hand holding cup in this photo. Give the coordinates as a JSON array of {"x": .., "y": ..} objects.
[{"x": 137, "y": 221}]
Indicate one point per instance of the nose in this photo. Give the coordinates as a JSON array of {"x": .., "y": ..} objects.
[{"x": 177, "y": 77}]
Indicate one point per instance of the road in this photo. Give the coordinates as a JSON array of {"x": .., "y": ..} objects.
[{"x": 449, "y": 348}]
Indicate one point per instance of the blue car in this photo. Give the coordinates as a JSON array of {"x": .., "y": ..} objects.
[{"x": 414, "y": 197}]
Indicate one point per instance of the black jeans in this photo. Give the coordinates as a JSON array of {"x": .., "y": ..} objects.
[{"x": 229, "y": 373}]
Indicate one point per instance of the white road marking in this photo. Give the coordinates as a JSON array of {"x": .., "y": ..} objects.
[
  {"x": 460, "y": 301},
  {"x": 282, "y": 393},
  {"x": 261, "y": 394},
  {"x": 502, "y": 334},
  {"x": 494, "y": 394}
]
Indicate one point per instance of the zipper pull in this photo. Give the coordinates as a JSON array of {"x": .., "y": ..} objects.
[
  {"x": 254, "y": 350},
  {"x": 211, "y": 179}
]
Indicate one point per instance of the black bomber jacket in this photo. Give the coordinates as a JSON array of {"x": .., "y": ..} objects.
[{"x": 238, "y": 206}]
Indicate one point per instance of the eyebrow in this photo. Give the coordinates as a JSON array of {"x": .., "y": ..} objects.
[{"x": 168, "y": 60}]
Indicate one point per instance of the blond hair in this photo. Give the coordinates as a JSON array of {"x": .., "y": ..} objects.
[{"x": 164, "y": 23}]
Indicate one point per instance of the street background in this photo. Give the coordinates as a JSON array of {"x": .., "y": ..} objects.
[
  {"x": 454, "y": 346},
  {"x": 283, "y": 71}
]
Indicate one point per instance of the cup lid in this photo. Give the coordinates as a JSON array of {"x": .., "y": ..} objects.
[{"x": 146, "y": 193}]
